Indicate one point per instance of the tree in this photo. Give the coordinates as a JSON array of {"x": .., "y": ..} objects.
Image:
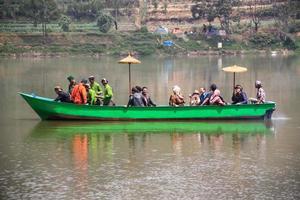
[
  {"x": 256, "y": 16},
  {"x": 286, "y": 13},
  {"x": 104, "y": 22},
  {"x": 221, "y": 9},
  {"x": 41, "y": 12},
  {"x": 10, "y": 9},
  {"x": 64, "y": 23}
]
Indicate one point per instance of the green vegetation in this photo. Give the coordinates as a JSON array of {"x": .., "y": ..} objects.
[{"x": 91, "y": 27}]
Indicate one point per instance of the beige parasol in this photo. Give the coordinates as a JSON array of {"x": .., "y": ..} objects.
[
  {"x": 234, "y": 69},
  {"x": 129, "y": 60}
]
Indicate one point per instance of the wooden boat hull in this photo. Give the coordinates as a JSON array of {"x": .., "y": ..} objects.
[{"x": 47, "y": 109}]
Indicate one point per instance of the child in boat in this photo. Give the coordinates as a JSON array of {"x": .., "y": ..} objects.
[
  {"x": 195, "y": 98},
  {"x": 176, "y": 99}
]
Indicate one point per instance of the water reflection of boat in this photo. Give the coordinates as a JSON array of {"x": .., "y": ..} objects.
[
  {"x": 48, "y": 109},
  {"x": 73, "y": 127}
]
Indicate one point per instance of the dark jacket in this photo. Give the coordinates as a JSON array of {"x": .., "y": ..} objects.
[
  {"x": 135, "y": 100},
  {"x": 147, "y": 101},
  {"x": 240, "y": 98},
  {"x": 63, "y": 97}
]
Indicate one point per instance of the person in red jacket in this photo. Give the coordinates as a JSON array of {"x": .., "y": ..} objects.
[{"x": 79, "y": 94}]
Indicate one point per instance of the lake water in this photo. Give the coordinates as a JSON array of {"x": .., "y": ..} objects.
[{"x": 138, "y": 160}]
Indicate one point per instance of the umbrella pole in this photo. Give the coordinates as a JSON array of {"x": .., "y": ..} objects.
[
  {"x": 233, "y": 80},
  {"x": 129, "y": 78}
]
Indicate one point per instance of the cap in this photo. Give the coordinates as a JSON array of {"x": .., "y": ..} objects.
[
  {"x": 257, "y": 82},
  {"x": 104, "y": 80},
  {"x": 70, "y": 78},
  {"x": 91, "y": 78},
  {"x": 196, "y": 92}
]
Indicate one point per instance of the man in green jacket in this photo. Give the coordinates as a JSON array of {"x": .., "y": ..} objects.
[
  {"x": 108, "y": 93},
  {"x": 91, "y": 95},
  {"x": 95, "y": 86}
]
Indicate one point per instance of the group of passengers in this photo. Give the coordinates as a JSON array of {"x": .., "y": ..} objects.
[
  {"x": 92, "y": 93},
  {"x": 86, "y": 93},
  {"x": 140, "y": 97},
  {"x": 213, "y": 96}
]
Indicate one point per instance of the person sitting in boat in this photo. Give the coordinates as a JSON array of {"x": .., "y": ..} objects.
[
  {"x": 195, "y": 98},
  {"x": 147, "y": 101},
  {"x": 213, "y": 87},
  {"x": 239, "y": 96},
  {"x": 260, "y": 94},
  {"x": 72, "y": 83},
  {"x": 135, "y": 99},
  {"x": 107, "y": 94},
  {"x": 79, "y": 94},
  {"x": 203, "y": 95},
  {"x": 176, "y": 99},
  {"x": 216, "y": 98},
  {"x": 91, "y": 95},
  {"x": 61, "y": 95}
]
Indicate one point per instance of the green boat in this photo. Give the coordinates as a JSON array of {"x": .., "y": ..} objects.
[{"x": 48, "y": 109}]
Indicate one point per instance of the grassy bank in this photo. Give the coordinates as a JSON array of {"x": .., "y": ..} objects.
[{"x": 25, "y": 39}]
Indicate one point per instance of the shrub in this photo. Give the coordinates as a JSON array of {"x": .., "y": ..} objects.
[
  {"x": 263, "y": 40},
  {"x": 64, "y": 22},
  {"x": 104, "y": 22}
]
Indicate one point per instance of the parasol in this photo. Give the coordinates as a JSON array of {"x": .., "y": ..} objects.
[
  {"x": 234, "y": 69},
  {"x": 129, "y": 60}
]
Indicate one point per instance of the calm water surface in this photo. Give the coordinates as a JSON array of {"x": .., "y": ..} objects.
[{"x": 138, "y": 160}]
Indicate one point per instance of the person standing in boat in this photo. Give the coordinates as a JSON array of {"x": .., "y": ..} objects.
[
  {"x": 147, "y": 101},
  {"x": 176, "y": 99},
  {"x": 108, "y": 93},
  {"x": 239, "y": 96},
  {"x": 95, "y": 86},
  {"x": 79, "y": 94},
  {"x": 135, "y": 99},
  {"x": 61, "y": 95},
  {"x": 72, "y": 83}
]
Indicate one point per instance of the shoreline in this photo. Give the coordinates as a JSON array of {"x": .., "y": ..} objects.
[{"x": 280, "y": 52}]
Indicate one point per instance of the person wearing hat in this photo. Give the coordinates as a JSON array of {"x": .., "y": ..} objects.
[
  {"x": 239, "y": 96},
  {"x": 95, "y": 86},
  {"x": 107, "y": 93},
  {"x": 72, "y": 83},
  {"x": 195, "y": 98},
  {"x": 176, "y": 99},
  {"x": 79, "y": 94},
  {"x": 260, "y": 93},
  {"x": 61, "y": 95}
]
